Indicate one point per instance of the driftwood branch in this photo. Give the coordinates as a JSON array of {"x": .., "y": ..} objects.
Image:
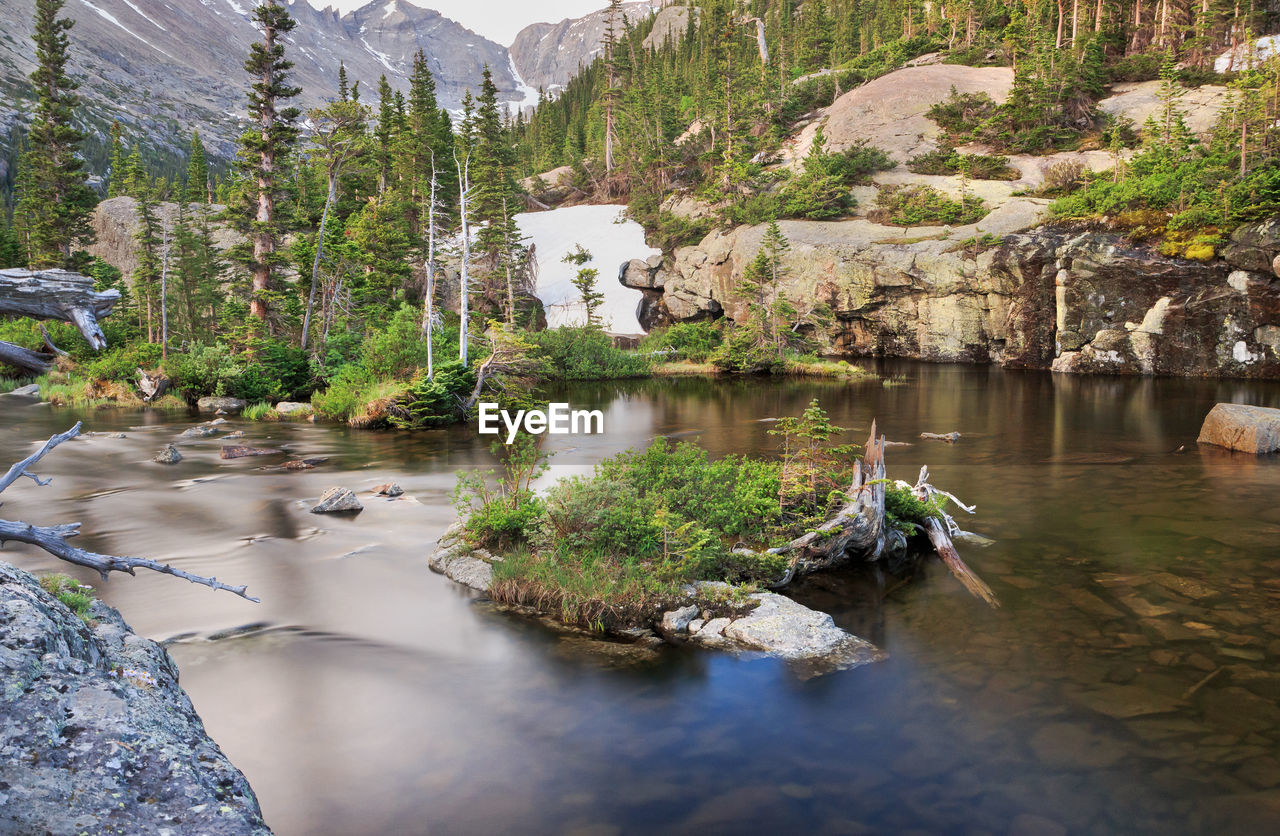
[
  {"x": 53, "y": 539},
  {"x": 940, "y": 529}
]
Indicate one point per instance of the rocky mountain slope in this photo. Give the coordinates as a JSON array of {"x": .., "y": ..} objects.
[
  {"x": 548, "y": 55},
  {"x": 97, "y": 734},
  {"x": 164, "y": 67}
]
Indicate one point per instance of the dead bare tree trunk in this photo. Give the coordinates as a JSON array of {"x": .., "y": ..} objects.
[{"x": 53, "y": 539}]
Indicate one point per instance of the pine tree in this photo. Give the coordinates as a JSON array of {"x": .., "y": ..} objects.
[
  {"x": 116, "y": 162},
  {"x": 197, "y": 188},
  {"x": 495, "y": 196},
  {"x": 585, "y": 280},
  {"x": 344, "y": 92},
  {"x": 56, "y": 202},
  {"x": 265, "y": 149}
]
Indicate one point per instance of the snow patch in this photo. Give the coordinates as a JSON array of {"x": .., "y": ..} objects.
[
  {"x": 528, "y": 95},
  {"x": 554, "y": 235},
  {"x": 145, "y": 16},
  {"x": 237, "y": 8},
  {"x": 381, "y": 56},
  {"x": 110, "y": 18}
]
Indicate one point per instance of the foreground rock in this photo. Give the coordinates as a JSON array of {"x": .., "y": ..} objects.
[
  {"x": 460, "y": 563},
  {"x": 337, "y": 501},
  {"x": 96, "y": 734},
  {"x": 1249, "y": 429},
  {"x": 230, "y": 406},
  {"x": 29, "y": 391},
  {"x": 762, "y": 622}
]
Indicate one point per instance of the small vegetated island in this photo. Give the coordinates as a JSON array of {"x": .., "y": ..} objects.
[{"x": 669, "y": 540}]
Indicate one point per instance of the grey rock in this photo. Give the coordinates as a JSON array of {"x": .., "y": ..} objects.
[
  {"x": 336, "y": 501},
  {"x": 31, "y": 390},
  {"x": 390, "y": 489},
  {"x": 169, "y": 455},
  {"x": 96, "y": 733},
  {"x": 781, "y": 627},
  {"x": 696, "y": 625},
  {"x": 677, "y": 621},
  {"x": 459, "y": 563},
  {"x": 221, "y": 405},
  {"x": 1249, "y": 429},
  {"x": 200, "y": 431},
  {"x": 293, "y": 408}
]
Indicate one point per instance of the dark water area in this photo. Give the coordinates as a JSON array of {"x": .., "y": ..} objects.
[{"x": 1130, "y": 683}]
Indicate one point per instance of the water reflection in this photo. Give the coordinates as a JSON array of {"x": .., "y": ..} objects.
[{"x": 1128, "y": 684}]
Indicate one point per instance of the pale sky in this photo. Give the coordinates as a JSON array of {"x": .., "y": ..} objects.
[{"x": 497, "y": 20}]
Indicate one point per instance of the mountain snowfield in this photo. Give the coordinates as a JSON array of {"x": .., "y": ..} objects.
[
  {"x": 612, "y": 241},
  {"x": 497, "y": 20}
]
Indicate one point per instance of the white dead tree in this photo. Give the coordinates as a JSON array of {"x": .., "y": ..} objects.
[
  {"x": 53, "y": 539},
  {"x": 464, "y": 196},
  {"x": 429, "y": 304}
]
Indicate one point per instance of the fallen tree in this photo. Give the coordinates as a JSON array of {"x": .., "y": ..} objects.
[
  {"x": 53, "y": 539},
  {"x": 52, "y": 294}
]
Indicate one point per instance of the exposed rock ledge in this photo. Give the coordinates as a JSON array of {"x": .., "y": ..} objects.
[
  {"x": 1041, "y": 298},
  {"x": 776, "y": 626},
  {"x": 96, "y": 734}
]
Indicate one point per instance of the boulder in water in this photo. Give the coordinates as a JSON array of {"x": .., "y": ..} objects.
[
  {"x": 1249, "y": 429},
  {"x": 169, "y": 455},
  {"x": 28, "y": 391},
  {"x": 337, "y": 501}
]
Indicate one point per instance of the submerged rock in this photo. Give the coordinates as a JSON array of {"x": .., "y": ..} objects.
[
  {"x": 1249, "y": 429},
  {"x": 336, "y": 501},
  {"x": 237, "y": 452},
  {"x": 169, "y": 455},
  {"x": 200, "y": 431},
  {"x": 96, "y": 733},
  {"x": 390, "y": 489}
]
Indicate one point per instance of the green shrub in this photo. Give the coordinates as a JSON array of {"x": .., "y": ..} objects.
[
  {"x": 435, "y": 402},
  {"x": 599, "y": 516},
  {"x": 961, "y": 113},
  {"x": 122, "y": 363},
  {"x": 586, "y": 353},
  {"x": 76, "y": 597},
  {"x": 975, "y": 166},
  {"x": 398, "y": 350},
  {"x": 693, "y": 342},
  {"x": 745, "y": 351},
  {"x": 347, "y": 393},
  {"x": 919, "y": 205}
]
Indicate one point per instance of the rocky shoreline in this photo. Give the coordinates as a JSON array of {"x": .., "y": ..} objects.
[
  {"x": 1034, "y": 297},
  {"x": 97, "y": 734},
  {"x": 768, "y": 624}
]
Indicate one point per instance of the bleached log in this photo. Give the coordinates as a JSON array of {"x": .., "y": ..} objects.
[
  {"x": 58, "y": 294},
  {"x": 53, "y": 539},
  {"x": 31, "y": 362}
]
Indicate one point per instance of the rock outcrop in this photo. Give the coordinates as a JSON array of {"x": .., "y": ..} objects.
[
  {"x": 97, "y": 735},
  {"x": 1249, "y": 429},
  {"x": 1004, "y": 290}
]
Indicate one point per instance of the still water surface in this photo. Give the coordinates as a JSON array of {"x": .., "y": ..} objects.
[{"x": 377, "y": 697}]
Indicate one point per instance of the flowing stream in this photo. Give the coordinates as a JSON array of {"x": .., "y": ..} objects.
[{"x": 1129, "y": 683}]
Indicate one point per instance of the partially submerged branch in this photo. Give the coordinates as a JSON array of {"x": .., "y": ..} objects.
[
  {"x": 859, "y": 530},
  {"x": 53, "y": 539}
]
